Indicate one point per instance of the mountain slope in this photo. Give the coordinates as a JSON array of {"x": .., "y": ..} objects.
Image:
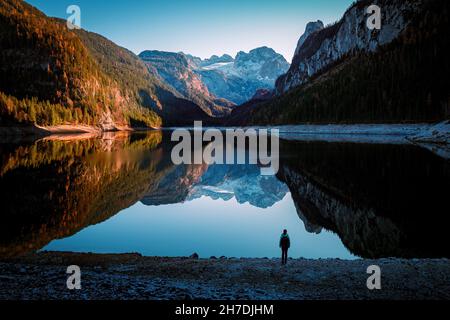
[
  {"x": 238, "y": 79},
  {"x": 320, "y": 47},
  {"x": 49, "y": 77},
  {"x": 176, "y": 70},
  {"x": 311, "y": 27},
  {"x": 150, "y": 89},
  {"x": 52, "y": 76},
  {"x": 381, "y": 79}
]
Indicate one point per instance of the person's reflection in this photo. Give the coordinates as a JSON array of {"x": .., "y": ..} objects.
[{"x": 285, "y": 244}]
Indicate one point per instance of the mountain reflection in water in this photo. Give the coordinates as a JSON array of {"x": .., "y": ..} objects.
[{"x": 381, "y": 200}]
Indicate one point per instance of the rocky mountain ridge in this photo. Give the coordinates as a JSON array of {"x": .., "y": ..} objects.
[
  {"x": 176, "y": 70},
  {"x": 319, "y": 47},
  {"x": 347, "y": 73},
  {"x": 238, "y": 79}
]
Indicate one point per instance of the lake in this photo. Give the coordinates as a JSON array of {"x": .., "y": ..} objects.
[{"x": 121, "y": 193}]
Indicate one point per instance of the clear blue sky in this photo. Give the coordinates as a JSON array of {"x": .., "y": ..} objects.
[{"x": 200, "y": 27}]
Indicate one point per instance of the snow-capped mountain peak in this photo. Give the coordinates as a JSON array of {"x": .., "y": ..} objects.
[{"x": 238, "y": 79}]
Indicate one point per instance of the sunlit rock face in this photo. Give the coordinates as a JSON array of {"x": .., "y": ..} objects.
[
  {"x": 262, "y": 64},
  {"x": 177, "y": 70},
  {"x": 320, "y": 47},
  {"x": 238, "y": 79}
]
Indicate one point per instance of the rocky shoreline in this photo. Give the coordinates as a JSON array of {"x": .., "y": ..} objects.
[
  {"x": 61, "y": 130},
  {"x": 43, "y": 276}
]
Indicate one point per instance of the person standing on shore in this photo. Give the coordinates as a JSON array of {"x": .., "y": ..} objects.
[{"x": 285, "y": 244}]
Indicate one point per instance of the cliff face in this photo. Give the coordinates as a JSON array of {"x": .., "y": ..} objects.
[
  {"x": 320, "y": 47},
  {"x": 347, "y": 73},
  {"x": 311, "y": 27}
]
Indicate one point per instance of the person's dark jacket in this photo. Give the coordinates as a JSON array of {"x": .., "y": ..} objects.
[{"x": 285, "y": 242}]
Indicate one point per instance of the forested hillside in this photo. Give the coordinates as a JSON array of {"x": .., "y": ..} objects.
[
  {"x": 406, "y": 80},
  {"x": 50, "y": 75}
]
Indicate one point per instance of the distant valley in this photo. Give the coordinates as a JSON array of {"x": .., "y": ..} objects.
[{"x": 218, "y": 84}]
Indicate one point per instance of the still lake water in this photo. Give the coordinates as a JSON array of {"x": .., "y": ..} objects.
[
  {"x": 230, "y": 229},
  {"x": 121, "y": 193}
]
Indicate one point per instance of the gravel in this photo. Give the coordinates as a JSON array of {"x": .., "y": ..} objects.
[{"x": 43, "y": 276}]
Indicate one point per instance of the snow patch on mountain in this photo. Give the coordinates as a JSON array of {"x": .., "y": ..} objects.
[{"x": 238, "y": 79}]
